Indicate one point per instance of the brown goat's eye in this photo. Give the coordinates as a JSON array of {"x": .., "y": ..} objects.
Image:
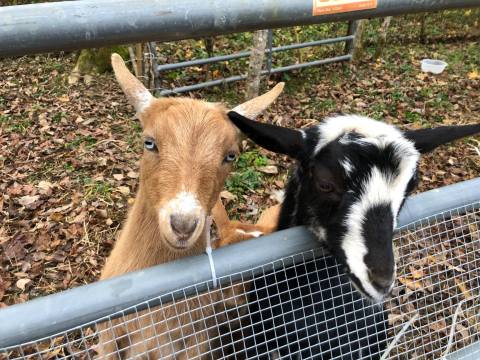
[
  {"x": 325, "y": 186},
  {"x": 150, "y": 144},
  {"x": 231, "y": 156}
]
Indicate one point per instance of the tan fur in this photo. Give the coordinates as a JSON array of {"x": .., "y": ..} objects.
[
  {"x": 193, "y": 137},
  {"x": 228, "y": 229}
]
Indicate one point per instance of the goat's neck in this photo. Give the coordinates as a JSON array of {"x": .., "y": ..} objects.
[
  {"x": 140, "y": 244},
  {"x": 295, "y": 208},
  {"x": 289, "y": 214}
]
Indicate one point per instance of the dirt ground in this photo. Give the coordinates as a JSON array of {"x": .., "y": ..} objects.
[{"x": 69, "y": 154}]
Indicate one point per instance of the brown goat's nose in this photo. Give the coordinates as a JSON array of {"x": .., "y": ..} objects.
[{"x": 183, "y": 225}]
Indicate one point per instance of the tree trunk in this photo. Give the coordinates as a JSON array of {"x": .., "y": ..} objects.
[
  {"x": 423, "y": 32},
  {"x": 358, "y": 42},
  {"x": 256, "y": 63},
  {"x": 382, "y": 37},
  {"x": 94, "y": 61},
  {"x": 139, "y": 59}
]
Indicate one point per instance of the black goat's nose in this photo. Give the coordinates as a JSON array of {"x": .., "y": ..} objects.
[
  {"x": 183, "y": 225},
  {"x": 381, "y": 280}
]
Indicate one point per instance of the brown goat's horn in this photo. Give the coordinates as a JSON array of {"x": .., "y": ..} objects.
[
  {"x": 255, "y": 106},
  {"x": 136, "y": 93}
]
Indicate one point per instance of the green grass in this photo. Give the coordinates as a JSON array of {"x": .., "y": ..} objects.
[
  {"x": 15, "y": 123},
  {"x": 88, "y": 141},
  {"x": 97, "y": 189},
  {"x": 245, "y": 176},
  {"x": 58, "y": 117}
]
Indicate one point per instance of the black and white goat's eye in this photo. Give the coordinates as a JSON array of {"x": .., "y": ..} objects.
[
  {"x": 230, "y": 157},
  {"x": 150, "y": 144},
  {"x": 325, "y": 186}
]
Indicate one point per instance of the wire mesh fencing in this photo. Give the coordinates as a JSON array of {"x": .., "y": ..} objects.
[{"x": 303, "y": 307}]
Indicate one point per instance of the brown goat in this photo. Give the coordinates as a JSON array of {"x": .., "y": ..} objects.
[{"x": 189, "y": 147}]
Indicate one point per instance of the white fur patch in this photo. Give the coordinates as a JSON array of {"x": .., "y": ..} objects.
[
  {"x": 377, "y": 190},
  {"x": 143, "y": 99},
  {"x": 332, "y": 128},
  {"x": 347, "y": 166},
  {"x": 319, "y": 232},
  {"x": 251, "y": 233},
  {"x": 184, "y": 203},
  {"x": 278, "y": 195}
]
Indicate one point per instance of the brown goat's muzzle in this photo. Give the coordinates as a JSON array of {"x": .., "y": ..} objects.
[{"x": 183, "y": 221}]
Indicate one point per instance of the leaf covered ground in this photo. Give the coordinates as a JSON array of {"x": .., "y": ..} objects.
[{"x": 69, "y": 154}]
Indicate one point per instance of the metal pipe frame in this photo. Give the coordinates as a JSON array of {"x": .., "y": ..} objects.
[
  {"x": 69, "y": 25},
  {"x": 231, "y": 79},
  {"x": 244, "y": 54},
  {"x": 59, "y": 312}
]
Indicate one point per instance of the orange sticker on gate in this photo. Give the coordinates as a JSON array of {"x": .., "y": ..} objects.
[{"x": 323, "y": 7}]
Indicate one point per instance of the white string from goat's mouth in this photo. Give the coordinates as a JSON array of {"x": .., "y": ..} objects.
[{"x": 208, "y": 249}]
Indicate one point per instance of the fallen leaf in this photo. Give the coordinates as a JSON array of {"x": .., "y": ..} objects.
[
  {"x": 118, "y": 177},
  {"x": 440, "y": 326},
  {"x": 125, "y": 190},
  {"x": 64, "y": 98},
  {"x": 22, "y": 283},
  {"x": 412, "y": 285},
  {"x": 56, "y": 216},
  {"x": 45, "y": 187},
  {"x": 28, "y": 201},
  {"x": 416, "y": 274},
  {"x": 60, "y": 209},
  {"x": 463, "y": 289},
  {"x": 3, "y": 236},
  {"x": 269, "y": 169},
  {"x": 227, "y": 195},
  {"x": 421, "y": 76},
  {"x": 79, "y": 219},
  {"x": 132, "y": 175},
  {"x": 473, "y": 75}
]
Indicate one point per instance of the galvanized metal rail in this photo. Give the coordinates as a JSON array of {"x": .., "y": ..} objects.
[{"x": 69, "y": 25}]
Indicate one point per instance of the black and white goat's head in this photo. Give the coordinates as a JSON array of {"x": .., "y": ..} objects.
[{"x": 352, "y": 178}]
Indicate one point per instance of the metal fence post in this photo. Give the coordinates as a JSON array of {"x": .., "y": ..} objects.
[
  {"x": 269, "y": 54},
  {"x": 352, "y": 29}
]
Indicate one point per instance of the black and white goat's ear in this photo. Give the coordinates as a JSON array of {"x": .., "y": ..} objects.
[
  {"x": 271, "y": 137},
  {"x": 428, "y": 139}
]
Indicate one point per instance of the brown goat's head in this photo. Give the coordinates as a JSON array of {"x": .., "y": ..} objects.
[{"x": 189, "y": 149}]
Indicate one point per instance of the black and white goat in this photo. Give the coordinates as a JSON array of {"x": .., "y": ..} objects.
[{"x": 351, "y": 179}]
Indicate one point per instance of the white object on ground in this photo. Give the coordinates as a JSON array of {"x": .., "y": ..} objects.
[{"x": 433, "y": 66}]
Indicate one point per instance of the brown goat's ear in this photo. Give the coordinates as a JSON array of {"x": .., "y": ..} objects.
[
  {"x": 271, "y": 137},
  {"x": 428, "y": 139},
  {"x": 255, "y": 106},
  {"x": 136, "y": 93}
]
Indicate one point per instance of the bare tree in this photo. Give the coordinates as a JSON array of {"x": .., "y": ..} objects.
[
  {"x": 256, "y": 63},
  {"x": 382, "y": 37},
  {"x": 358, "y": 42}
]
